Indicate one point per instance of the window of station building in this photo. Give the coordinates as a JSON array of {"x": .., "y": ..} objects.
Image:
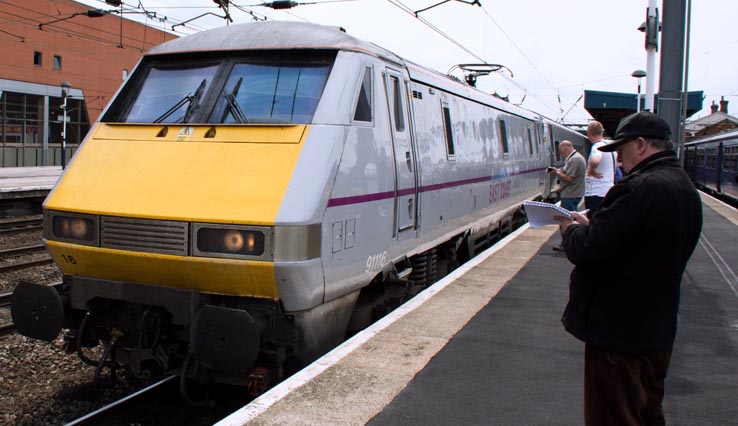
[
  {"x": 503, "y": 137},
  {"x": 37, "y": 59},
  {"x": 57, "y": 62},
  {"x": 363, "y": 111},
  {"x": 21, "y": 118},
  {"x": 449, "y": 130}
]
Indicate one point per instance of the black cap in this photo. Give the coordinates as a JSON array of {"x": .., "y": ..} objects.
[{"x": 643, "y": 124}]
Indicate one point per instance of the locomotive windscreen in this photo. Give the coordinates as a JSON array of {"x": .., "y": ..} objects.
[{"x": 263, "y": 89}]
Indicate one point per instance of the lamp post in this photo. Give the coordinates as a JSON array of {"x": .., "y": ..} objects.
[
  {"x": 65, "y": 86},
  {"x": 639, "y": 74}
]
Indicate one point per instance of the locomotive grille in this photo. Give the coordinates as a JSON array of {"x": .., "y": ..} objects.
[{"x": 155, "y": 236}]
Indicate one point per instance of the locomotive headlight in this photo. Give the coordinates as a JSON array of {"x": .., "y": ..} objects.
[
  {"x": 231, "y": 241},
  {"x": 71, "y": 227}
]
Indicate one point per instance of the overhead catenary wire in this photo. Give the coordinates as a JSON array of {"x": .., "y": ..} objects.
[{"x": 525, "y": 90}]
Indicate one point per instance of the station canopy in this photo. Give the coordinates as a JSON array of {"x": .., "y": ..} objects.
[{"x": 610, "y": 107}]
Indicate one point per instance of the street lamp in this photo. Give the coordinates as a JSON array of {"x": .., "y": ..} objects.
[
  {"x": 65, "y": 86},
  {"x": 639, "y": 74}
]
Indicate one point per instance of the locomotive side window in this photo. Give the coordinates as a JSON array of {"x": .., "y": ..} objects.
[
  {"x": 503, "y": 137},
  {"x": 363, "y": 110},
  {"x": 397, "y": 110},
  {"x": 448, "y": 126},
  {"x": 530, "y": 141}
]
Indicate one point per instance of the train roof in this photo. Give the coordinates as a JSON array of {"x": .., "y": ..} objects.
[
  {"x": 717, "y": 137},
  {"x": 272, "y": 35},
  {"x": 284, "y": 35}
]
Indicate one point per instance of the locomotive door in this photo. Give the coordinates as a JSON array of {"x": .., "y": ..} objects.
[{"x": 406, "y": 181}]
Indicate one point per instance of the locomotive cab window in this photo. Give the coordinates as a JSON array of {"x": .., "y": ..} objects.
[
  {"x": 170, "y": 94},
  {"x": 266, "y": 93},
  {"x": 448, "y": 126},
  {"x": 363, "y": 111},
  {"x": 263, "y": 89}
]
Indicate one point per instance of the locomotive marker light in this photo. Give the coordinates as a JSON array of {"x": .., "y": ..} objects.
[{"x": 65, "y": 86}]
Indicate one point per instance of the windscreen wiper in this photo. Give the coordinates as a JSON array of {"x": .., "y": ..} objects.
[
  {"x": 194, "y": 101},
  {"x": 191, "y": 99},
  {"x": 233, "y": 107}
]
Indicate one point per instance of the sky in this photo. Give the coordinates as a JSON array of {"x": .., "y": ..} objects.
[{"x": 553, "y": 49}]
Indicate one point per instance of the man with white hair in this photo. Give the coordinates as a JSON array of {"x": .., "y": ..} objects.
[{"x": 571, "y": 178}]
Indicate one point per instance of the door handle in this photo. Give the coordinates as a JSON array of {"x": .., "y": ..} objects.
[{"x": 409, "y": 161}]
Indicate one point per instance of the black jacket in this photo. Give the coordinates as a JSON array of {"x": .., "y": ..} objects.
[{"x": 629, "y": 261}]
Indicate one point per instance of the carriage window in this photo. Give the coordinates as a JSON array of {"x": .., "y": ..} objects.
[
  {"x": 448, "y": 126},
  {"x": 700, "y": 157},
  {"x": 396, "y": 95},
  {"x": 503, "y": 137},
  {"x": 711, "y": 161},
  {"x": 363, "y": 110},
  {"x": 530, "y": 141}
]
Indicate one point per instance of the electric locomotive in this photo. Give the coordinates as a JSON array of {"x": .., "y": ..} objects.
[{"x": 253, "y": 193}]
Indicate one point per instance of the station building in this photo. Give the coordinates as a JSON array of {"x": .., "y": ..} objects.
[{"x": 49, "y": 42}]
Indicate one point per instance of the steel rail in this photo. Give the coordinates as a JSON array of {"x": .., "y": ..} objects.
[
  {"x": 21, "y": 250},
  {"x": 28, "y": 264},
  {"x": 108, "y": 412}
]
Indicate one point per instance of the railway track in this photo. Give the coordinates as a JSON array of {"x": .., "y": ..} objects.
[
  {"x": 23, "y": 264},
  {"x": 21, "y": 226},
  {"x": 8, "y": 328},
  {"x": 160, "y": 404}
]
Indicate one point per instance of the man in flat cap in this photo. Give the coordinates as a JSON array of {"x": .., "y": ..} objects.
[{"x": 628, "y": 265}]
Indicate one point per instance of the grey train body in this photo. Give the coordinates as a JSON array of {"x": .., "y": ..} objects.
[{"x": 404, "y": 174}]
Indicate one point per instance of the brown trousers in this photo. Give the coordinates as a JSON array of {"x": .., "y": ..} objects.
[{"x": 623, "y": 389}]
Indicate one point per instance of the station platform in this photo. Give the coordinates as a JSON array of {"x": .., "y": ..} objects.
[
  {"x": 485, "y": 346},
  {"x": 22, "y": 181},
  {"x": 23, "y": 189}
]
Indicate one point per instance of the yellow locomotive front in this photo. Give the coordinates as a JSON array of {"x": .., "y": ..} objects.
[{"x": 164, "y": 224}]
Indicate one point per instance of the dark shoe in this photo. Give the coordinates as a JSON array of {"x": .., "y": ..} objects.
[{"x": 559, "y": 247}]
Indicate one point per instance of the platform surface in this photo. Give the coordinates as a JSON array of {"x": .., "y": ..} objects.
[
  {"x": 485, "y": 346},
  {"x": 28, "y": 179}
]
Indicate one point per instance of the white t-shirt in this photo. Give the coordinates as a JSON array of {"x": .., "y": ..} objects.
[{"x": 608, "y": 161}]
